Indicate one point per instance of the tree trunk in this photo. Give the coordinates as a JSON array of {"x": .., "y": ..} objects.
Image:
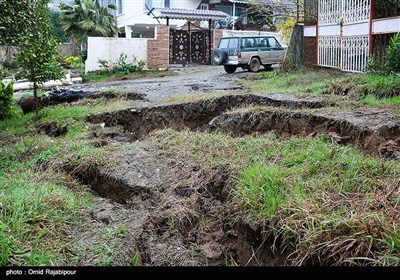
[{"x": 35, "y": 96}]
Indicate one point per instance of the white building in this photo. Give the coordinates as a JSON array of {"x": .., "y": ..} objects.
[
  {"x": 343, "y": 34},
  {"x": 135, "y": 17}
]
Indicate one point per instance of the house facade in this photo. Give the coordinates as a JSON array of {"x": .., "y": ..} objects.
[
  {"x": 238, "y": 12},
  {"x": 343, "y": 34},
  {"x": 135, "y": 18}
]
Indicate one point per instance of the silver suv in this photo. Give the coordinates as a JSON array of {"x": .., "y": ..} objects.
[{"x": 248, "y": 52}]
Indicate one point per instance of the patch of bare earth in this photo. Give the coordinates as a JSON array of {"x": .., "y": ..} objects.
[{"x": 177, "y": 213}]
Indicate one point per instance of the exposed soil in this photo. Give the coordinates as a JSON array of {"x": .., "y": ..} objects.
[
  {"x": 177, "y": 213},
  {"x": 376, "y": 131},
  {"x": 69, "y": 95}
]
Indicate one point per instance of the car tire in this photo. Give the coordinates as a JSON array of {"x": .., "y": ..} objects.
[
  {"x": 254, "y": 65},
  {"x": 218, "y": 56},
  {"x": 230, "y": 68}
]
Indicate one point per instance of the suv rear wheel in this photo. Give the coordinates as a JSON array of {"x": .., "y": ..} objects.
[
  {"x": 230, "y": 68},
  {"x": 218, "y": 56},
  {"x": 254, "y": 65}
]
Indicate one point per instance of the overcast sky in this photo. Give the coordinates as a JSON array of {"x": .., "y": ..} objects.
[{"x": 55, "y": 3}]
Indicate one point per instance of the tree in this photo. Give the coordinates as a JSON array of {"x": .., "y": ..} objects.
[
  {"x": 38, "y": 49},
  {"x": 57, "y": 29},
  {"x": 14, "y": 21},
  {"x": 268, "y": 13},
  {"x": 87, "y": 18}
]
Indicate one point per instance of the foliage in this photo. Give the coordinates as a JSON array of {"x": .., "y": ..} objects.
[
  {"x": 264, "y": 14},
  {"x": 38, "y": 49},
  {"x": 57, "y": 29},
  {"x": 16, "y": 20},
  {"x": 6, "y": 99},
  {"x": 393, "y": 54},
  {"x": 87, "y": 18},
  {"x": 359, "y": 86},
  {"x": 122, "y": 67},
  {"x": 4, "y": 71},
  {"x": 287, "y": 27},
  {"x": 129, "y": 67},
  {"x": 317, "y": 200},
  {"x": 292, "y": 79},
  {"x": 391, "y": 59},
  {"x": 261, "y": 14},
  {"x": 72, "y": 62}
]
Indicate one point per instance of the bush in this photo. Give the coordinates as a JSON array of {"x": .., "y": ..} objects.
[
  {"x": 6, "y": 99},
  {"x": 4, "y": 72},
  {"x": 391, "y": 58},
  {"x": 393, "y": 54},
  {"x": 122, "y": 67},
  {"x": 287, "y": 27},
  {"x": 72, "y": 62},
  {"x": 129, "y": 67}
]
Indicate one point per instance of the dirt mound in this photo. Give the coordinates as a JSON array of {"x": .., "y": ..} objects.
[
  {"x": 59, "y": 96},
  {"x": 376, "y": 131},
  {"x": 383, "y": 140},
  {"x": 194, "y": 115}
]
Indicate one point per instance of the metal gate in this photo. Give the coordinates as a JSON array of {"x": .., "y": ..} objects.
[
  {"x": 192, "y": 44},
  {"x": 343, "y": 28}
]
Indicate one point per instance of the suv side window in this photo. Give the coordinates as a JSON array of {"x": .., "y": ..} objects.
[
  {"x": 234, "y": 43},
  {"x": 263, "y": 42},
  {"x": 273, "y": 43},
  {"x": 223, "y": 44},
  {"x": 248, "y": 43}
]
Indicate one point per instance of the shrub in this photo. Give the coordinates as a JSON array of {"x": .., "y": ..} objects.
[
  {"x": 4, "y": 72},
  {"x": 6, "y": 99},
  {"x": 393, "y": 54},
  {"x": 129, "y": 67},
  {"x": 391, "y": 58},
  {"x": 287, "y": 27},
  {"x": 72, "y": 62}
]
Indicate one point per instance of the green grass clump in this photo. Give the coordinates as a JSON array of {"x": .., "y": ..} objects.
[
  {"x": 380, "y": 102},
  {"x": 34, "y": 217},
  {"x": 328, "y": 204},
  {"x": 300, "y": 82},
  {"x": 39, "y": 203},
  {"x": 362, "y": 85}
]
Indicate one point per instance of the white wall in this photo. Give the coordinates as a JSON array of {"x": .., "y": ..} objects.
[
  {"x": 110, "y": 49},
  {"x": 310, "y": 31},
  {"x": 389, "y": 25}
]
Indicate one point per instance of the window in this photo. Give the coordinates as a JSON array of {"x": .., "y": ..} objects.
[
  {"x": 273, "y": 43},
  {"x": 234, "y": 43},
  {"x": 263, "y": 42},
  {"x": 203, "y": 6},
  {"x": 150, "y": 4},
  {"x": 120, "y": 7},
  {"x": 167, "y": 4},
  {"x": 223, "y": 44},
  {"x": 248, "y": 43}
]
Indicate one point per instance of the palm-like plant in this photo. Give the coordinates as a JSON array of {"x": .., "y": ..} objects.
[{"x": 87, "y": 18}]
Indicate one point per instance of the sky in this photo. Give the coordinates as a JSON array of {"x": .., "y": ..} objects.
[{"x": 55, "y": 3}]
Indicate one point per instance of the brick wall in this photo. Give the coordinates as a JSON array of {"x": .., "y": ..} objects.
[
  {"x": 310, "y": 50},
  {"x": 158, "y": 49},
  {"x": 217, "y": 34}
]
